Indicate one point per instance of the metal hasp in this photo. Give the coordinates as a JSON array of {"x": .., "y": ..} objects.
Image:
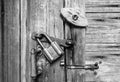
[
  {"x": 53, "y": 51},
  {"x": 91, "y": 67},
  {"x": 62, "y": 42},
  {"x": 74, "y": 16}
]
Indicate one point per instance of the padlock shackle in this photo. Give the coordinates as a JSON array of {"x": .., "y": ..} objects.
[
  {"x": 40, "y": 43},
  {"x": 47, "y": 37}
]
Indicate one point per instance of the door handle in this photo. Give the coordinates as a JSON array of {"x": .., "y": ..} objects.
[{"x": 36, "y": 67}]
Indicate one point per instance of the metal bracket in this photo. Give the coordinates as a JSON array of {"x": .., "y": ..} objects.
[
  {"x": 62, "y": 42},
  {"x": 91, "y": 67},
  {"x": 36, "y": 68},
  {"x": 74, "y": 16},
  {"x": 36, "y": 65}
]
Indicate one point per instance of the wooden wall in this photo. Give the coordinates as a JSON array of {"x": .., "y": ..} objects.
[
  {"x": 10, "y": 41},
  {"x": 0, "y": 45},
  {"x": 19, "y": 18},
  {"x": 103, "y": 39}
]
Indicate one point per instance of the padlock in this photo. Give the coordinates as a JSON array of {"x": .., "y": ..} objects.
[{"x": 52, "y": 52}]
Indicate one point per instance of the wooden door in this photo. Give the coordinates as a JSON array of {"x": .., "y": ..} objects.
[
  {"x": 44, "y": 15},
  {"x": 20, "y": 18}
]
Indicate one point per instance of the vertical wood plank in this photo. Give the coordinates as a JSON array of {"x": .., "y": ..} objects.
[
  {"x": 44, "y": 15},
  {"x": 55, "y": 28},
  {"x": 78, "y": 36},
  {"x": 11, "y": 41},
  {"x": 0, "y": 42},
  {"x": 23, "y": 27},
  {"x": 35, "y": 23}
]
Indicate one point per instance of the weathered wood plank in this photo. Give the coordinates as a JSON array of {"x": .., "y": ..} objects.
[
  {"x": 103, "y": 19},
  {"x": 108, "y": 69},
  {"x": 54, "y": 27},
  {"x": 103, "y": 29},
  {"x": 102, "y": 38},
  {"x": 101, "y": 55},
  {"x": 23, "y": 37},
  {"x": 34, "y": 23},
  {"x": 11, "y": 53},
  {"x": 103, "y": 9},
  {"x": 78, "y": 35},
  {"x": 98, "y": 4},
  {"x": 102, "y": 6},
  {"x": 1, "y": 10},
  {"x": 44, "y": 15},
  {"x": 102, "y": 47},
  {"x": 114, "y": 4},
  {"x": 102, "y": 1},
  {"x": 112, "y": 16}
]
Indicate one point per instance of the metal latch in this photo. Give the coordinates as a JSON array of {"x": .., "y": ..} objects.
[
  {"x": 91, "y": 67},
  {"x": 51, "y": 51},
  {"x": 62, "y": 42}
]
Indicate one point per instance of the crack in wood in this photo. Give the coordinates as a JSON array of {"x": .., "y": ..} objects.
[{"x": 98, "y": 57}]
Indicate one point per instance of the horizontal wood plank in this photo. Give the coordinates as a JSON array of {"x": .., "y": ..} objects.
[
  {"x": 115, "y": 16},
  {"x": 102, "y": 38},
  {"x": 102, "y": 4},
  {"x": 102, "y": 1},
  {"x": 103, "y": 9},
  {"x": 102, "y": 47},
  {"x": 101, "y": 55},
  {"x": 103, "y": 30}
]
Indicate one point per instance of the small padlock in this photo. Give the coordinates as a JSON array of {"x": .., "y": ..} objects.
[{"x": 52, "y": 52}]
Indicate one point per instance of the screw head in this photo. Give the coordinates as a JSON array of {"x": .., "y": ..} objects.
[{"x": 75, "y": 17}]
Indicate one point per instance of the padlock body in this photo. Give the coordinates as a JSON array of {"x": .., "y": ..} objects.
[
  {"x": 57, "y": 48},
  {"x": 51, "y": 54}
]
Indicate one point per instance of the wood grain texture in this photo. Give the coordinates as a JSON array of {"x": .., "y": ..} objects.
[
  {"x": 102, "y": 6},
  {"x": 11, "y": 55},
  {"x": 55, "y": 28},
  {"x": 1, "y": 42},
  {"x": 92, "y": 2},
  {"x": 103, "y": 9},
  {"x": 102, "y": 40},
  {"x": 108, "y": 70},
  {"x": 78, "y": 36},
  {"x": 102, "y": 47},
  {"x": 44, "y": 15},
  {"x": 23, "y": 19},
  {"x": 33, "y": 23}
]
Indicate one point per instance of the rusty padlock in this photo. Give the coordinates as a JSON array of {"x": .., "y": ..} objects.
[{"x": 52, "y": 52}]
